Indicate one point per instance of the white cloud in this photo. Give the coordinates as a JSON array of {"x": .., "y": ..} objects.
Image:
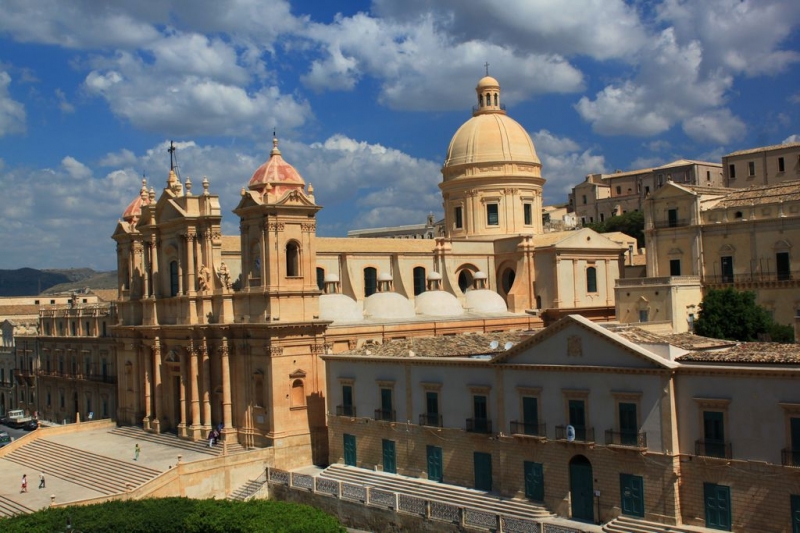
[
  {"x": 118, "y": 159},
  {"x": 794, "y": 138},
  {"x": 75, "y": 168},
  {"x": 647, "y": 162},
  {"x": 63, "y": 103},
  {"x": 564, "y": 164},
  {"x": 718, "y": 126},
  {"x": 421, "y": 67},
  {"x": 12, "y": 113}
]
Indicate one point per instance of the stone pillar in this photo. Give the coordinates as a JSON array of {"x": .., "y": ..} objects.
[
  {"x": 190, "y": 267},
  {"x": 182, "y": 369},
  {"x": 146, "y": 260},
  {"x": 157, "y": 389},
  {"x": 575, "y": 278},
  {"x": 227, "y": 418},
  {"x": 206, "y": 387},
  {"x": 194, "y": 393},
  {"x": 154, "y": 265},
  {"x": 148, "y": 371}
]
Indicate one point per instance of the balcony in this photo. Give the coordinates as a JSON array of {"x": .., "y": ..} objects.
[
  {"x": 531, "y": 430},
  {"x": 678, "y": 223},
  {"x": 783, "y": 276},
  {"x": 713, "y": 448},
  {"x": 430, "y": 419},
  {"x": 582, "y": 434},
  {"x": 346, "y": 410},
  {"x": 479, "y": 425},
  {"x": 790, "y": 457},
  {"x": 626, "y": 438},
  {"x": 385, "y": 415}
]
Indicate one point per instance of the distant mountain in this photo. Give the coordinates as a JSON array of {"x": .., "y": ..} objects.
[{"x": 31, "y": 282}]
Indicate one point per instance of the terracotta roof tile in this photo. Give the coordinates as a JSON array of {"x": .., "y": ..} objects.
[
  {"x": 462, "y": 345},
  {"x": 763, "y": 149},
  {"x": 748, "y": 352},
  {"x": 686, "y": 341}
]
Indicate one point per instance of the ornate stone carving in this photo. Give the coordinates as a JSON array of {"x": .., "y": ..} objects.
[
  {"x": 308, "y": 227},
  {"x": 574, "y": 346},
  {"x": 275, "y": 351},
  {"x": 204, "y": 279},
  {"x": 276, "y": 226}
]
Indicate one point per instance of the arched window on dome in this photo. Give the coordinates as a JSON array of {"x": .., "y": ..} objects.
[
  {"x": 419, "y": 280},
  {"x": 495, "y": 99},
  {"x": 174, "y": 282},
  {"x": 591, "y": 279},
  {"x": 292, "y": 259},
  {"x": 370, "y": 281},
  {"x": 488, "y": 99},
  {"x": 480, "y": 100}
]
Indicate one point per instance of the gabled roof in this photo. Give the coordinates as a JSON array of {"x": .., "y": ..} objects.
[
  {"x": 526, "y": 352},
  {"x": 582, "y": 238},
  {"x": 765, "y": 194},
  {"x": 764, "y": 149}
]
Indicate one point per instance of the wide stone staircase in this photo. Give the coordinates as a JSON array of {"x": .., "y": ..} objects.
[
  {"x": 249, "y": 489},
  {"x": 170, "y": 439},
  {"x": 625, "y": 524},
  {"x": 12, "y": 508},
  {"x": 93, "y": 471},
  {"x": 439, "y": 492}
]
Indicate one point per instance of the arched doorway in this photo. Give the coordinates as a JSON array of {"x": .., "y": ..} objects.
[
  {"x": 581, "y": 488},
  {"x": 465, "y": 276}
]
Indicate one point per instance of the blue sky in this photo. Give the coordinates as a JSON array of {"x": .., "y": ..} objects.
[{"x": 365, "y": 97}]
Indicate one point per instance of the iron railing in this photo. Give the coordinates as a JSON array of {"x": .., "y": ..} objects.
[
  {"x": 582, "y": 434},
  {"x": 386, "y": 415},
  {"x": 346, "y": 410},
  {"x": 713, "y": 448},
  {"x": 525, "y": 428},
  {"x": 790, "y": 457},
  {"x": 626, "y": 438},
  {"x": 430, "y": 419},
  {"x": 479, "y": 425}
]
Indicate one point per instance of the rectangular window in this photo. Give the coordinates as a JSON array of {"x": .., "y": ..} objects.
[
  {"x": 726, "y": 265},
  {"x": 528, "y": 212},
  {"x": 732, "y": 171},
  {"x": 431, "y": 416},
  {"x": 647, "y": 190},
  {"x": 674, "y": 267},
  {"x": 672, "y": 218},
  {"x": 602, "y": 217},
  {"x": 751, "y": 168},
  {"x": 619, "y": 189},
  {"x": 782, "y": 266},
  {"x": 348, "y": 409},
  {"x": 387, "y": 410},
  {"x": 643, "y": 315},
  {"x": 714, "y": 433},
  {"x": 577, "y": 418},
  {"x": 708, "y": 175},
  {"x": 459, "y": 218},
  {"x": 781, "y": 165},
  {"x": 492, "y": 215},
  {"x": 530, "y": 415},
  {"x": 584, "y": 199},
  {"x": 628, "y": 424}
]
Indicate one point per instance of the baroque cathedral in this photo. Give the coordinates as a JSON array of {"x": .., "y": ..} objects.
[{"x": 230, "y": 329}]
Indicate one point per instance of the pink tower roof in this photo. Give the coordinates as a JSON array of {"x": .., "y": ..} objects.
[
  {"x": 276, "y": 175},
  {"x": 133, "y": 212}
]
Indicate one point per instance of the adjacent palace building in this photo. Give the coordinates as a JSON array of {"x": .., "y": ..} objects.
[{"x": 475, "y": 355}]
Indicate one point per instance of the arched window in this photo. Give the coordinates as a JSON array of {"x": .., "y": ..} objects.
[
  {"x": 174, "y": 286},
  {"x": 258, "y": 394},
  {"x": 370, "y": 281},
  {"x": 495, "y": 99},
  {"x": 480, "y": 100},
  {"x": 508, "y": 279},
  {"x": 464, "y": 280},
  {"x": 292, "y": 259},
  {"x": 321, "y": 278},
  {"x": 591, "y": 279},
  {"x": 298, "y": 393},
  {"x": 419, "y": 280}
]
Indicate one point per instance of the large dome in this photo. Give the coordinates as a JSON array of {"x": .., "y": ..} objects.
[{"x": 491, "y": 137}]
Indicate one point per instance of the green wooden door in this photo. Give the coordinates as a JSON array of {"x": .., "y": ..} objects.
[
  {"x": 483, "y": 471},
  {"x": 349, "y": 450},
  {"x": 581, "y": 488},
  {"x": 530, "y": 415},
  {"x": 435, "y": 470},
  {"x": 632, "y": 495},
  {"x": 534, "y": 481},
  {"x": 628, "y": 424},
  {"x": 795, "y": 513},
  {"x": 718, "y": 506},
  {"x": 389, "y": 457}
]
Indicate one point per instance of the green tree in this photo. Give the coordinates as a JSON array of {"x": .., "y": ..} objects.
[
  {"x": 734, "y": 315},
  {"x": 629, "y": 223}
]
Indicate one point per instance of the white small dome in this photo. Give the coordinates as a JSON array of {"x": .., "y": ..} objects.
[
  {"x": 485, "y": 301},
  {"x": 339, "y": 308},
  {"x": 331, "y": 278},
  {"x": 384, "y": 276},
  {"x": 438, "y": 303},
  {"x": 479, "y": 275},
  {"x": 388, "y": 305},
  {"x": 434, "y": 276}
]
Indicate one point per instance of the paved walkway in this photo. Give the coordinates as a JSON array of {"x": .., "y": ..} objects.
[{"x": 97, "y": 441}]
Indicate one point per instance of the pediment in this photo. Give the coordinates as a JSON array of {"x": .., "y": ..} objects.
[
  {"x": 168, "y": 209},
  {"x": 578, "y": 342},
  {"x": 586, "y": 239},
  {"x": 295, "y": 197},
  {"x": 727, "y": 248},
  {"x": 298, "y": 374},
  {"x": 782, "y": 244}
]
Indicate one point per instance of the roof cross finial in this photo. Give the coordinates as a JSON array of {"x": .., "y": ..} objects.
[
  {"x": 171, "y": 151},
  {"x": 487, "y": 67}
]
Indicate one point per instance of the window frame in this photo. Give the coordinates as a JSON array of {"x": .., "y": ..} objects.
[{"x": 492, "y": 213}]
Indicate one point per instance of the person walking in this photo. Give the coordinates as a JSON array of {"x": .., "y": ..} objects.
[
  {"x": 136, "y": 452},
  {"x": 24, "y": 483},
  {"x": 41, "y": 480}
]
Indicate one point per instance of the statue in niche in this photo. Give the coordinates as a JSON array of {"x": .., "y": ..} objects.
[
  {"x": 204, "y": 278},
  {"x": 224, "y": 275}
]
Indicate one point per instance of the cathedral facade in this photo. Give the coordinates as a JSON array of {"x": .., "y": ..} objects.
[{"x": 229, "y": 330}]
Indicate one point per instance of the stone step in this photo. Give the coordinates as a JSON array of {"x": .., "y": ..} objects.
[
  {"x": 10, "y": 508},
  {"x": 248, "y": 489},
  {"x": 172, "y": 440},
  {"x": 103, "y": 474},
  {"x": 627, "y": 524},
  {"x": 450, "y": 494}
]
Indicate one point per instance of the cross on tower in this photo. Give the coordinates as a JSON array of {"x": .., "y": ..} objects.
[
  {"x": 487, "y": 67},
  {"x": 171, "y": 151}
]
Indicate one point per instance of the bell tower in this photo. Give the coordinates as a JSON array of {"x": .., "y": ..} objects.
[{"x": 278, "y": 230}]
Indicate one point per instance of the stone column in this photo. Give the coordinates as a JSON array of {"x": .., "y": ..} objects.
[
  {"x": 194, "y": 378},
  {"x": 190, "y": 267},
  {"x": 148, "y": 371},
  {"x": 227, "y": 418},
  {"x": 147, "y": 260},
  {"x": 182, "y": 374},
  {"x": 575, "y": 278},
  {"x": 206, "y": 386},
  {"x": 154, "y": 265},
  {"x": 157, "y": 389}
]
